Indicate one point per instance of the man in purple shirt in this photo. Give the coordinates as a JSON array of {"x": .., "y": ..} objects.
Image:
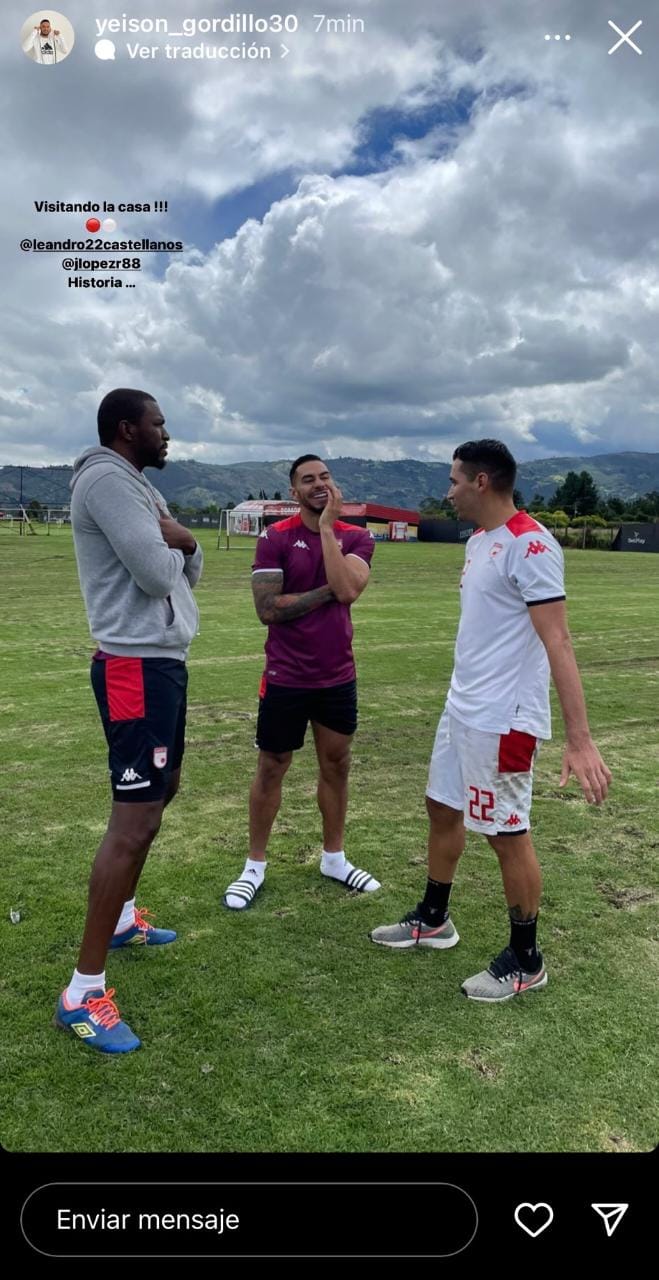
[{"x": 308, "y": 571}]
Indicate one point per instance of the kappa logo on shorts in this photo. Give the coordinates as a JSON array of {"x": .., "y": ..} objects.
[
  {"x": 301, "y": 544},
  {"x": 160, "y": 757},
  {"x": 513, "y": 821},
  {"x": 129, "y": 775},
  {"x": 534, "y": 548}
]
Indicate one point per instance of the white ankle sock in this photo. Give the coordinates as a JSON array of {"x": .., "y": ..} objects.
[
  {"x": 127, "y": 917},
  {"x": 254, "y": 871},
  {"x": 334, "y": 864},
  {"x": 80, "y": 983},
  {"x": 337, "y": 866}
]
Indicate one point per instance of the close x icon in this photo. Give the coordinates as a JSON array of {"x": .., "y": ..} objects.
[{"x": 625, "y": 36}]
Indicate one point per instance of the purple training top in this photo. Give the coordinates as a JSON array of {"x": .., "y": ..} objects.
[{"x": 315, "y": 651}]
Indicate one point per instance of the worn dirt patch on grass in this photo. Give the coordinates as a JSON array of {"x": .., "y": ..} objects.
[
  {"x": 627, "y": 899},
  {"x": 484, "y": 1067}
]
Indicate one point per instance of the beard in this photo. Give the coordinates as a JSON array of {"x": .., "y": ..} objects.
[{"x": 157, "y": 460}]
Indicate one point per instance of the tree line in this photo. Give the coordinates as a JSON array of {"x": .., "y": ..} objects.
[{"x": 576, "y": 501}]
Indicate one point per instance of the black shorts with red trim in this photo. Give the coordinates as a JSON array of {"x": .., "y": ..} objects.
[
  {"x": 285, "y": 712},
  {"x": 142, "y": 702}
]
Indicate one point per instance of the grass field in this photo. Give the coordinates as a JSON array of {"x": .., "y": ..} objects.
[{"x": 285, "y": 1029}]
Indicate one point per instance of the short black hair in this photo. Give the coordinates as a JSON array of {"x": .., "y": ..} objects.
[
  {"x": 44, "y": 20},
  {"x": 491, "y": 456},
  {"x": 124, "y": 403},
  {"x": 305, "y": 457}
]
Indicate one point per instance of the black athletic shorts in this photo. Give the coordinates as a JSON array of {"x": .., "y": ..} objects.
[
  {"x": 284, "y": 713},
  {"x": 142, "y": 702}
]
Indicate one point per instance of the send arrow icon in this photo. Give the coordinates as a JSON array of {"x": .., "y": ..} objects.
[{"x": 611, "y": 1215}]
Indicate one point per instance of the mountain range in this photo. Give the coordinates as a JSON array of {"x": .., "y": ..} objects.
[{"x": 405, "y": 483}]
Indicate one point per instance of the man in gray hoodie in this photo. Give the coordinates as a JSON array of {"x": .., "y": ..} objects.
[{"x": 137, "y": 567}]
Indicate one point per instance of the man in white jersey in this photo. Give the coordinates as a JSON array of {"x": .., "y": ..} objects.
[{"x": 512, "y": 633}]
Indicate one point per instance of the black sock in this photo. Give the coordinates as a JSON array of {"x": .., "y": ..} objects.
[
  {"x": 434, "y": 907},
  {"x": 523, "y": 942}
]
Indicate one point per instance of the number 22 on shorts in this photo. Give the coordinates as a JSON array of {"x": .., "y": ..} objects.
[{"x": 481, "y": 805}]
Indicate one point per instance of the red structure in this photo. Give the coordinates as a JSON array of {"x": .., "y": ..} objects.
[{"x": 369, "y": 515}]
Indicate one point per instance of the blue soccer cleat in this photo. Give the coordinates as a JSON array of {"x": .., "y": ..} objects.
[
  {"x": 142, "y": 934},
  {"x": 97, "y": 1023}
]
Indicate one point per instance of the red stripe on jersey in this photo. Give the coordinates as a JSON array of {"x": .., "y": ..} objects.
[
  {"x": 293, "y": 522},
  {"x": 516, "y": 751},
  {"x": 124, "y": 685},
  {"x": 263, "y": 686},
  {"x": 522, "y": 522}
]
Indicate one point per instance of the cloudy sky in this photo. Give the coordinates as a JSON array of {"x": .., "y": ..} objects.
[{"x": 440, "y": 228}]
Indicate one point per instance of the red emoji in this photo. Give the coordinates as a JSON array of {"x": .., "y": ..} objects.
[{"x": 93, "y": 224}]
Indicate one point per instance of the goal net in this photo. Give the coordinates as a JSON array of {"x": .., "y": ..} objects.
[{"x": 237, "y": 525}]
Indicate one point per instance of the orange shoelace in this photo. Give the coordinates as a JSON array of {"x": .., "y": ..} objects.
[
  {"x": 103, "y": 1010},
  {"x": 140, "y": 918}
]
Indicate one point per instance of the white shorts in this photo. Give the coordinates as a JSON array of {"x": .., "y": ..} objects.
[{"x": 489, "y": 776}]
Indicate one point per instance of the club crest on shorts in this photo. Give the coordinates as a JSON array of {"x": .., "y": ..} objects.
[{"x": 160, "y": 757}]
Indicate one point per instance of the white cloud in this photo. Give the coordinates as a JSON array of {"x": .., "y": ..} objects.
[{"x": 496, "y": 273}]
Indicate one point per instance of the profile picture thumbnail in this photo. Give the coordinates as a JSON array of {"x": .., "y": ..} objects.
[{"x": 47, "y": 37}]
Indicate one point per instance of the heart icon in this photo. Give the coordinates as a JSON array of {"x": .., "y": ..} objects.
[{"x": 534, "y": 1212}]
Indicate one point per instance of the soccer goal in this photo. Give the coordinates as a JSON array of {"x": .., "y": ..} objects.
[
  {"x": 55, "y": 518},
  {"x": 16, "y": 520},
  {"x": 235, "y": 523}
]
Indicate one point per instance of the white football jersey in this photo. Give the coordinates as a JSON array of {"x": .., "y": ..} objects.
[{"x": 500, "y": 679}]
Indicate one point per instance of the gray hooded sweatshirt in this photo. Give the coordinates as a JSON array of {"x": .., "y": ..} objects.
[{"x": 137, "y": 590}]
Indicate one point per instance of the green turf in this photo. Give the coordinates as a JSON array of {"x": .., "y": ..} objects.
[{"x": 285, "y": 1029}]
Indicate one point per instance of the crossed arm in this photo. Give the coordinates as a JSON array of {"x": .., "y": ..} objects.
[
  {"x": 153, "y": 554},
  {"x": 271, "y": 606},
  {"x": 581, "y": 756},
  {"x": 346, "y": 583}
]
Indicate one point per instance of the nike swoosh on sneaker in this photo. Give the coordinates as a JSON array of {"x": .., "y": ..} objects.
[
  {"x": 429, "y": 933},
  {"x": 523, "y": 986}
]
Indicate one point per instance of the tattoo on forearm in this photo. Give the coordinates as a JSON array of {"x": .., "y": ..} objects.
[
  {"x": 286, "y": 608},
  {"x": 272, "y": 606}
]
